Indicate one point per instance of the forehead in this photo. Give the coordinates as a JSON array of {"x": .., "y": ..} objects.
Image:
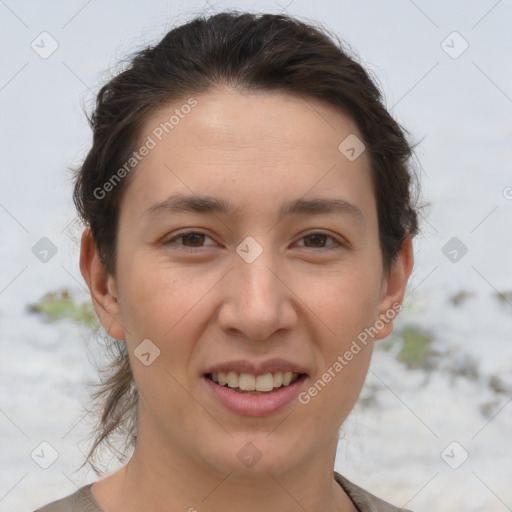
[
  {"x": 229, "y": 119},
  {"x": 244, "y": 144}
]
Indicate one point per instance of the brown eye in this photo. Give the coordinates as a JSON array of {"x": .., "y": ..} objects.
[
  {"x": 193, "y": 238},
  {"x": 319, "y": 241},
  {"x": 190, "y": 241}
]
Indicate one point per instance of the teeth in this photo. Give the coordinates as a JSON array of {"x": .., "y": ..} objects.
[
  {"x": 250, "y": 382},
  {"x": 247, "y": 382},
  {"x": 265, "y": 382},
  {"x": 232, "y": 380},
  {"x": 287, "y": 378},
  {"x": 222, "y": 378}
]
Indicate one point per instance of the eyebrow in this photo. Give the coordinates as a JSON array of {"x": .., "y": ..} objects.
[{"x": 208, "y": 204}]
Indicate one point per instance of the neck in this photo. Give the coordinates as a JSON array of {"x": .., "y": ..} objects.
[{"x": 162, "y": 480}]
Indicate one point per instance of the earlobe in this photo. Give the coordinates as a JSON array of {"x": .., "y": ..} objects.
[
  {"x": 394, "y": 288},
  {"x": 102, "y": 287}
]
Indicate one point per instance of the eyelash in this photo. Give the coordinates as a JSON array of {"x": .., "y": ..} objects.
[{"x": 198, "y": 249}]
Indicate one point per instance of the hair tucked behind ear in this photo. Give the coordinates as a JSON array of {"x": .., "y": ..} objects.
[{"x": 264, "y": 52}]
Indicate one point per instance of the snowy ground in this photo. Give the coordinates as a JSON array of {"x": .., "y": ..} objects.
[
  {"x": 411, "y": 425},
  {"x": 392, "y": 446}
]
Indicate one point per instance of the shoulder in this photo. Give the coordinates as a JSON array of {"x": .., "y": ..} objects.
[
  {"x": 80, "y": 501},
  {"x": 363, "y": 500}
]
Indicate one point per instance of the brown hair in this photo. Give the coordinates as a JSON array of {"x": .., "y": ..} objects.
[{"x": 265, "y": 52}]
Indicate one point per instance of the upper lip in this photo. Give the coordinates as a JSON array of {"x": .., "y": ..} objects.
[{"x": 256, "y": 367}]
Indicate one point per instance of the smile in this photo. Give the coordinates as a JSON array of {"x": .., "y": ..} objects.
[
  {"x": 268, "y": 393},
  {"x": 248, "y": 383}
]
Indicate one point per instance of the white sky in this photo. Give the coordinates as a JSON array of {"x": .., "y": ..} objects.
[{"x": 460, "y": 107}]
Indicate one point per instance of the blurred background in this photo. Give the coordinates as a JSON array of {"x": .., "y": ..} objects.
[{"x": 431, "y": 427}]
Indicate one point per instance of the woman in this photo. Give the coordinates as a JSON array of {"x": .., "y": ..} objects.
[{"x": 249, "y": 238}]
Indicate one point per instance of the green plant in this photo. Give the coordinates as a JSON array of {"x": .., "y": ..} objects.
[
  {"x": 413, "y": 346},
  {"x": 59, "y": 305},
  {"x": 460, "y": 297}
]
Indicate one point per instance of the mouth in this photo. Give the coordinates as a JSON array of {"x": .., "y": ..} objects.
[
  {"x": 247, "y": 394},
  {"x": 249, "y": 384}
]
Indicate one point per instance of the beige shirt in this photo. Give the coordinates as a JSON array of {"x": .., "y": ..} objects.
[{"x": 83, "y": 500}]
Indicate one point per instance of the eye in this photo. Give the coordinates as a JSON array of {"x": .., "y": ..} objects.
[
  {"x": 192, "y": 240},
  {"x": 318, "y": 238}
]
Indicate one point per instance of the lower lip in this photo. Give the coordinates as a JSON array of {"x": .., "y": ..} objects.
[{"x": 256, "y": 405}]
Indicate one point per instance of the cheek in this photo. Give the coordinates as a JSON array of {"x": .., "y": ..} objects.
[
  {"x": 157, "y": 294},
  {"x": 168, "y": 306},
  {"x": 345, "y": 301},
  {"x": 346, "y": 309},
  {"x": 168, "y": 311},
  {"x": 346, "y": 304}
]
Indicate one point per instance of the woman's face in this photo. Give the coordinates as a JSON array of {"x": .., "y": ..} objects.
[{"x": 276, "y": 282}]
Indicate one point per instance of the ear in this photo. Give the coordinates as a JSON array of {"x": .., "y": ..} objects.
[
  {"x": 394, "y": 286},
  {"x": 102, "y": 287}
]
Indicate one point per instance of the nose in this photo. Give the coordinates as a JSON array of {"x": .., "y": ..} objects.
[{"x": 257, "y": 300}]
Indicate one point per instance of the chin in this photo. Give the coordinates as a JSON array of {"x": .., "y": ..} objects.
[{"x": 246, "y": 455}]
